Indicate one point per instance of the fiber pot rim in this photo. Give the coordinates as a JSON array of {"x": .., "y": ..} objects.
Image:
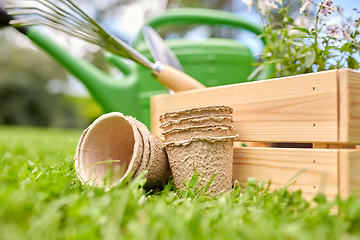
[
  {"x": 133, "y": 163},
  {"x": 204, "y": 128},
  {"x": 197, "y": 119},
  {"x": 145, "y": 135},
  {"x": 170, "y": 114},
  {"x": 198, "y": 138}
]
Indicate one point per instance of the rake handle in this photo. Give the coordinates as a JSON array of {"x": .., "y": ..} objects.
[{"x": 176, "y": 80}]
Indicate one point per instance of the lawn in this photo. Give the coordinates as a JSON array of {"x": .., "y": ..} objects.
[{"x": 41, "y": 198}]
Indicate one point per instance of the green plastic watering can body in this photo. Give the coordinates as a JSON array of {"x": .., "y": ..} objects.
[{"x": 213, "y": 62}]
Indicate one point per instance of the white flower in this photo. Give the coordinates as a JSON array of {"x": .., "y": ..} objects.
[
  {"x": 327, "y": 3},
  {"x": 333, "y": 30},
  {"x": 302, "y": 21},
  {"x": 266, "y": 5},
  {"x": 346, "y": 33},
  {"x": 306, "y": 5},
  {"x": 326, "y": 7},
  {"x": 248, "y": 3}
]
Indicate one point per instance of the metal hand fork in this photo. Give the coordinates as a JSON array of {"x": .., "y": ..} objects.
[{"x": 65, "y": 16}]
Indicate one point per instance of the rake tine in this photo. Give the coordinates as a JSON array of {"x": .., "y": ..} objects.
[
  {"x": 83, "y": 15},
  {"x": 72, "y": 32},
  {"x": 61, "y": 17},
  {"x": 64, "y": 14},
  {"x": 36, "y": 11},
  {"x": 44, "y": 4},
  {"x": 61, "y": 20}
]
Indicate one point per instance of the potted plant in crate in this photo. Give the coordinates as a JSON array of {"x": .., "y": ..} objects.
[{"x": 303, "y": 37}]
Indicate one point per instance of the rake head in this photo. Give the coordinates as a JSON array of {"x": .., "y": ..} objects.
[
  {"x": 61, "y": 15},
  {"x": 65, "y": 16}
]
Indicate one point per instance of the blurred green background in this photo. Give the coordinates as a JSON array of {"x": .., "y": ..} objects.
[{"x": 35, "y": 90}]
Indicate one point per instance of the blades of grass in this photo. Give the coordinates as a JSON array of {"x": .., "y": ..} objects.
[
  {"x": 292, "y": 180},
  {"x": 256, "y": 71},
  {"x": 268, "y": 186},
  {"x": 207, "y": 185},
  {"x": 291, "y": 184}
]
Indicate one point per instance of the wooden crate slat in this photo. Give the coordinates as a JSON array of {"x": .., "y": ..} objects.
[
  {"x": 349, "y": 172},
  {"x": 300, "y": 108},
  {"x": 320, "y": 168}
]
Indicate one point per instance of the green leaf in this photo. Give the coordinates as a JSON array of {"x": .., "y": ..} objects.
[
  {"x": 256, "y": 71},
  {"x": 277, "y": 60},
  {"x": 300, "y": 56},
  {"x": 309, "y": 59},
  {"x": 299, "y": 44},
  {"x": 290, "y": 20},
  {"x": 268, "y": 31},
  {"x": 356, "y": 46},
  {"x": 260, "y": 185},
  {"x": 273, "y": 36},
  {"x": 345, "y": 47},
  {"x": 303, "y": 30},
  {"x": 352, "y": 63},
  {"x": 251, "y": 181},
  {"x": 301, "y": 35}
]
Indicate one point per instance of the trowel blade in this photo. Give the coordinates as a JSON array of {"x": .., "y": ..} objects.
[{"x": 159, "y": 49}]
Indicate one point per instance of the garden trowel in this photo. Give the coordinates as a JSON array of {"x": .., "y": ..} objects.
[{"x": 160, "y": 51}]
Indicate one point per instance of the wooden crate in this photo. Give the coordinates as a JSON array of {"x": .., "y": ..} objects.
[{"x": 320, "y": 108}]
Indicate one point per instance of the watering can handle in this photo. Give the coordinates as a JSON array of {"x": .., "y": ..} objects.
[{"x": 188, "y": 16}]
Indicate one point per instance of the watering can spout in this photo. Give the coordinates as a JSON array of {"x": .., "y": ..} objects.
[{"x": 106, "y": 90}]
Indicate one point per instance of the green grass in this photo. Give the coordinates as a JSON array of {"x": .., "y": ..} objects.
[{"x": 41, "y": 198}]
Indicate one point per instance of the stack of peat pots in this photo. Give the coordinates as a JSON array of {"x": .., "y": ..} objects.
[
  {"x": 200, "y": 140},
  {"x": 122, "y": 146}
]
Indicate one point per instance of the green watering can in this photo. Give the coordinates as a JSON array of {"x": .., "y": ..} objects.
[{"x": 213, "y": 62}]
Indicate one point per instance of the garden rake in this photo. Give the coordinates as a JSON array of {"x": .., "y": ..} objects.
[{"x": 65, "y": 16}]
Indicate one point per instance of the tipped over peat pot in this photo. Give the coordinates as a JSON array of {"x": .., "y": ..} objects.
[
  {"x": 202, "y": 140},
  {"x": 121, "y": 145}
]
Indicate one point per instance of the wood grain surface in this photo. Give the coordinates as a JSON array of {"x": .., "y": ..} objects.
[
  {"x": 315, "y": 170},
  {"x": 349, "y": 106},
  {"x": 301, "y": 108},
  {"x": 349, "y": 172}
]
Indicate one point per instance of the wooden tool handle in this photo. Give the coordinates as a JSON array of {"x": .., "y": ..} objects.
[{"x": 176, "y": 80}]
